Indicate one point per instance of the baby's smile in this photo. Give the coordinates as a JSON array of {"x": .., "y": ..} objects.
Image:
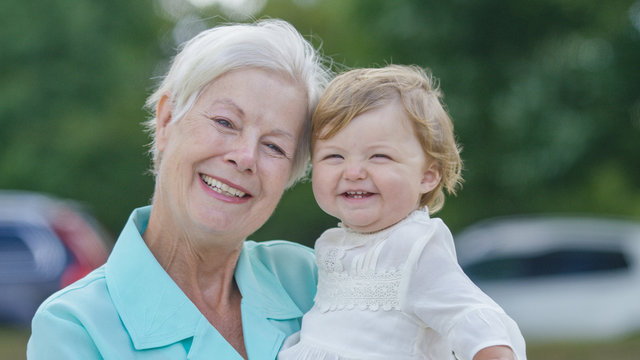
[{"x": 357, "y": 194}]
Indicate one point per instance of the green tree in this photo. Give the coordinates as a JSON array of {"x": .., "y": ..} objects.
[
  {"x": 73, "y": 81},
  {"x": 545, "y": 94}
]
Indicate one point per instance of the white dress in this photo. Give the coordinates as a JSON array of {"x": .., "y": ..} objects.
[{"x": 397, "y": 294}]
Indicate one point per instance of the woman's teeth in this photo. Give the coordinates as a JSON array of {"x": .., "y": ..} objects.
[{"x": 221, "y": 187}]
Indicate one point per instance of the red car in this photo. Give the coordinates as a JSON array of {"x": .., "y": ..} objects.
[{"x": 46, "y": 243}]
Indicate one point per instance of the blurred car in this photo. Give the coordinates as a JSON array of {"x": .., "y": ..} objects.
[
  {"x": 45, "y": 244},
  {"x": 560, "y": 278}
]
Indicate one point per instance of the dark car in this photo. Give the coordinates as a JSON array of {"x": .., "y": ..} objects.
[
  {"x": 559, "y": 277},
  {"x": 46, "y": 243}
]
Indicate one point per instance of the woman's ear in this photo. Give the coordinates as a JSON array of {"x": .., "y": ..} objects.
[
  {"x": 431, "y": 178},
  {"x": 163, "y": 119}
]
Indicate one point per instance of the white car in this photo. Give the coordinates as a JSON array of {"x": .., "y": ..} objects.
[{"x": 559, "y": 278}]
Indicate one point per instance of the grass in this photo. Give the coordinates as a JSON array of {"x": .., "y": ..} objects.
[
  {"x": 623, "y": 349},
  {"x": 13, "y": 342}
]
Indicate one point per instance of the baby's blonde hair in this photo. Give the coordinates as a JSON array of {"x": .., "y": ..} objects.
[{"x": 358, "y": 91}]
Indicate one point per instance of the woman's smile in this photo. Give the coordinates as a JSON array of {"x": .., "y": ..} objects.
[
  {"x": 223, "y": 191},
  {"x": 222, "y": 188}
]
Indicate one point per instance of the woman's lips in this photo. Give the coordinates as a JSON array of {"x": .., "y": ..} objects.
[{"x": 222, "y": 188}]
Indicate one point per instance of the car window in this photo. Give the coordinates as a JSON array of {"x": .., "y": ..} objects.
[
  {"x": 553, "y": 263},
  {"x": 30, "y": 253},
  {"x": 12, "y": 248},
  {"x": 15, "y": 255}
]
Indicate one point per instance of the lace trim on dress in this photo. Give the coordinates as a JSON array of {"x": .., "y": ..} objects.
[
  {"x": 373, "y": 291},
  {"x": 338, "y": 290}
]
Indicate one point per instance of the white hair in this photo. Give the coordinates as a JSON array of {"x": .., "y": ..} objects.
[{"x": 270, "y": 44}]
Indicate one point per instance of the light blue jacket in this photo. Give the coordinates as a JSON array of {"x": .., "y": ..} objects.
[{"x": 131, "y": 309}]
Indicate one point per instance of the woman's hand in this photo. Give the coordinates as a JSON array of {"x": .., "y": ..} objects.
[{"x": 495, "y": 353}]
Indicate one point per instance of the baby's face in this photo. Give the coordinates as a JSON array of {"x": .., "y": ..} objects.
[{"x": 372, "y": 173}]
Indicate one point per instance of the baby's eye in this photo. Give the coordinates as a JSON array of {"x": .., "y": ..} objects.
[{"x": 381, "y": 156}]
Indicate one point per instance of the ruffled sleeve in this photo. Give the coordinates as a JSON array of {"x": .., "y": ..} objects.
[
  {"x": 437, "y": 293},
  {"x": 482, "y": 327}
]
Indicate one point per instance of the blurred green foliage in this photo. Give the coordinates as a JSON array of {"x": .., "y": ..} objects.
[
  {"x": 73, "y": 81},
  {"x": 545, "y": 96}
]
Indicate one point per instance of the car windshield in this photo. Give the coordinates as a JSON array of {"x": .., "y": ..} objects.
[{"x": 558, "y": 262}]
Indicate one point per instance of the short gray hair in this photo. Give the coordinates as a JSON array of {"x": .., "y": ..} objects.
[{"x": 270, "y": 44}]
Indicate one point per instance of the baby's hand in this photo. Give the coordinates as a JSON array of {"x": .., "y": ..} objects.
[{"x": 495, "y": 353}]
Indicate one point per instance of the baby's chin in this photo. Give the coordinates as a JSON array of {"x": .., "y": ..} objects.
[
  {"x": 370, "y": 221},
  {"x": 369, "y": 228}
]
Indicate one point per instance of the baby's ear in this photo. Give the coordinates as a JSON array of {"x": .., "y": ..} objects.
[{"x": 431, "y": 178}]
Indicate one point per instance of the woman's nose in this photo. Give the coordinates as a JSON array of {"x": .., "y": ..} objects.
[
  {"x": 244, "y": 154},
  {"x": 354, "y": 170}
]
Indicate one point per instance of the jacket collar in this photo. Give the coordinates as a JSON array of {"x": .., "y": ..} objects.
[
  {"x": 261, "y": 289},
  {"x": 157, "y": 313}
]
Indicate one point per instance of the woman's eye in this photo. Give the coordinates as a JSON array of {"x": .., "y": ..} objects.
[
  {"x": 224, "y": 122},
  {"x": 276, "y": 149},
  {"x": 333, "y": 156}
]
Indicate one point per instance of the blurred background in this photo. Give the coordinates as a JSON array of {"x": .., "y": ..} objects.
[{"x": 544, "y": 94}]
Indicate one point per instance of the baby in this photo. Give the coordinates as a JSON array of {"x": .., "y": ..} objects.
[{"x": 390, "y": 287}]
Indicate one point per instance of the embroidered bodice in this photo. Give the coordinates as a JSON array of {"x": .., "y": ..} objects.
[
  {"x": 365, "y": 284},
  {"x": 397, "y": 294}
]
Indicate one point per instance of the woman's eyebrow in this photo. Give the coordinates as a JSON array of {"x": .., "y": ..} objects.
[
  {"x": 282, "y": 132},
  {"x": 228, "y": 102}
]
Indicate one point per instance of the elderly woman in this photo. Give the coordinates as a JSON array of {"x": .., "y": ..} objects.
[{"x": 230, "y": 135}]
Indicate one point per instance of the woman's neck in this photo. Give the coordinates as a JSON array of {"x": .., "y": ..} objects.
[
  {"x": 204, "y": 271},
  {"x": 193, "y": 262}
]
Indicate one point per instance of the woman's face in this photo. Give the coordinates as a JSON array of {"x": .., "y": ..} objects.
[{"x": 225, "y": 164}]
